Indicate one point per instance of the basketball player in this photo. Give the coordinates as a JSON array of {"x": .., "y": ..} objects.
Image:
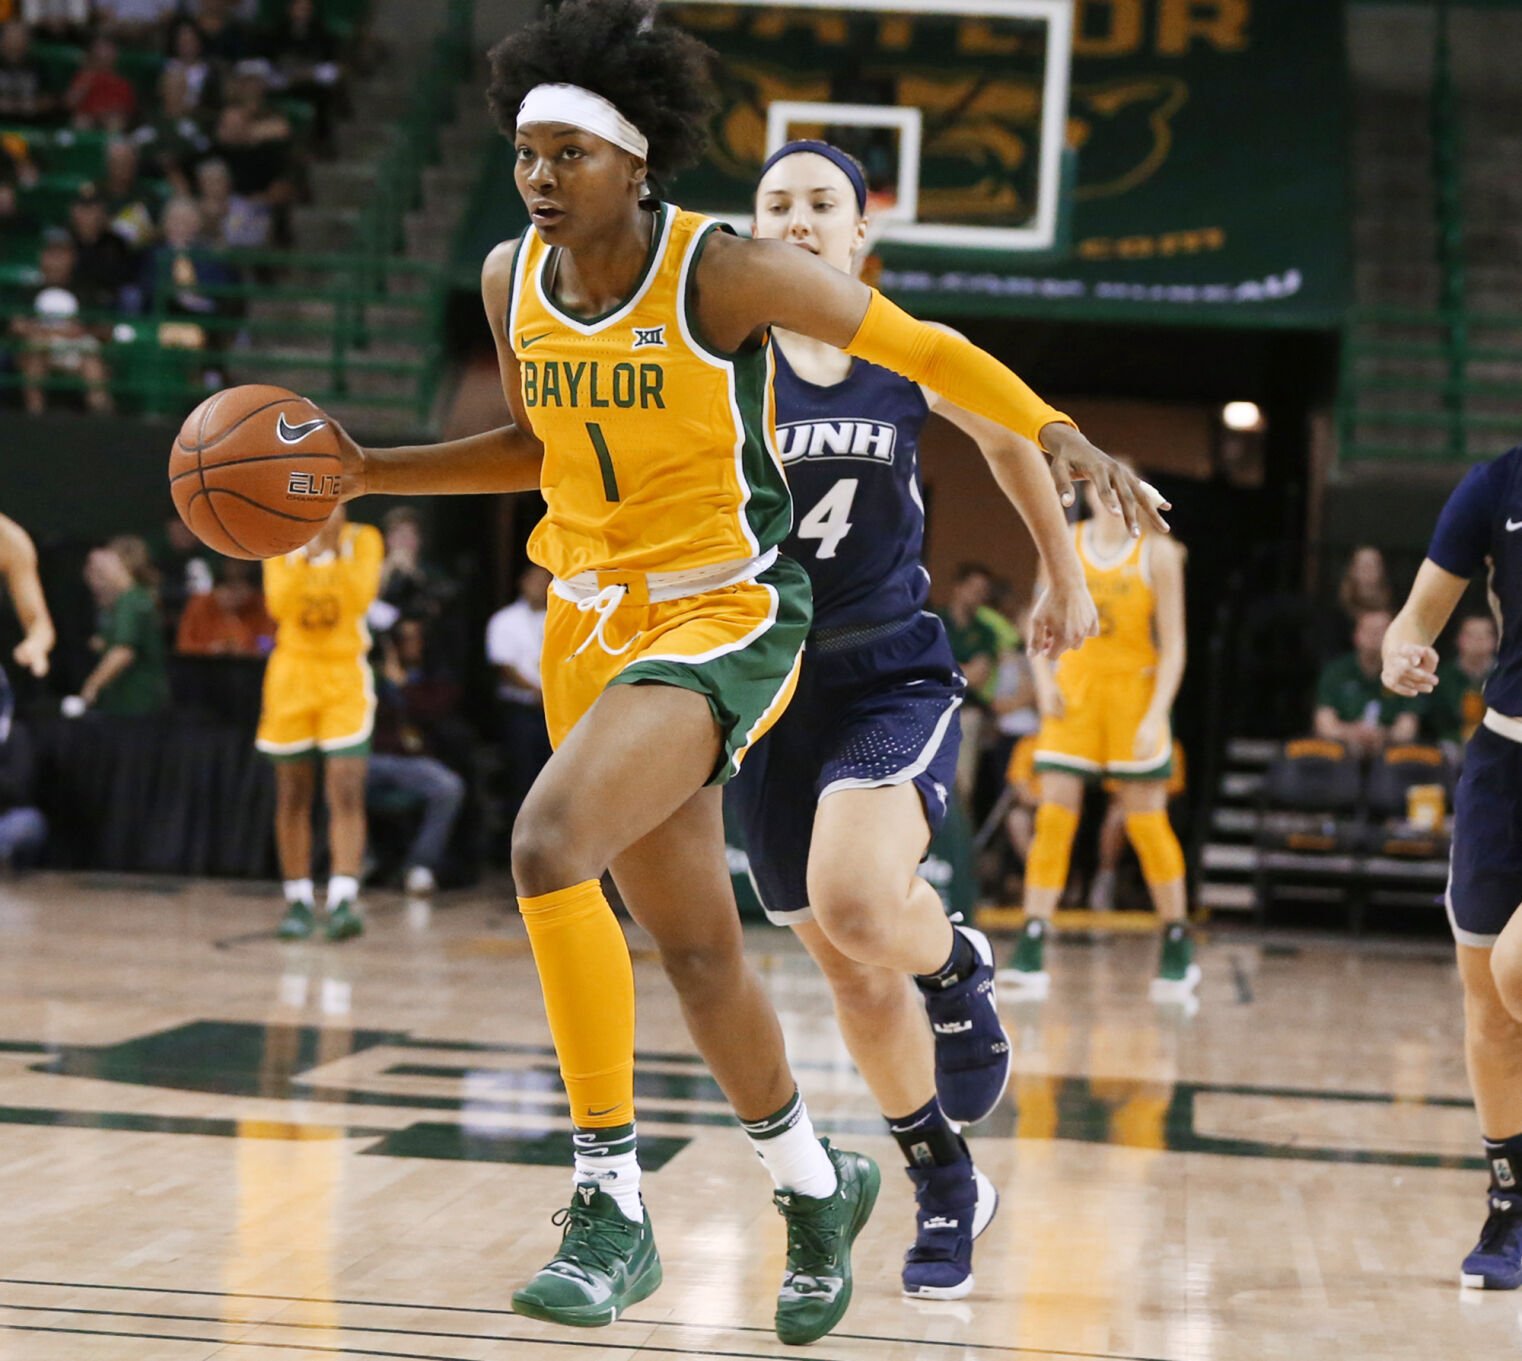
[
  {"x": 18, "y": 565},
  {"x": 1478, "y": 527},
  {"x": 319, "y": 702},
  {"x": 633, "y": 340},
  {"x": 1105, "y": 712},
  {"x": 840, "y": 802}
]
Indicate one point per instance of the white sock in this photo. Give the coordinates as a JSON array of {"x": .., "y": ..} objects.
[
  {"x": 793, "y": 1155},
  {"x": 613, "y": 1165},
  {"x": 342, "y": 888},
  {"x": 298, "y": 890}
]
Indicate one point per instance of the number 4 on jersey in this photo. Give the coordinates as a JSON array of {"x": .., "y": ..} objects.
[{"x": 829, "y": 520}]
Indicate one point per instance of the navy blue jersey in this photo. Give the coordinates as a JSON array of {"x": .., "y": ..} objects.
[
  {"x": 852, "y": 457},
  {"x": 1483, "y": 519}
]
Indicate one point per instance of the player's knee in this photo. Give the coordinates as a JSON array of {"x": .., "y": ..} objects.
[
  {"x": 1506, "y": 971},
  {"x": 1157, "y": 846},
  {"x": 1489, "y": 1019},
  {"x": 855, "y": 913},
  {"x": 1051, "y": 847},
  {"x": 544, "y": 851},
  {"x": 699, "y": 969}
]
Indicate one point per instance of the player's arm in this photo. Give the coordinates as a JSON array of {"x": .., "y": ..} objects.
[
  {"x": 506, "y": 459},
  {"x": 1460, "y": 544},
  {"x": 1064, "y": 615},
  {"x": 18, "y": 564},
  {"x": 1410, "y": 658},
  {"x": 362, "y": 572},
  {"x": 280, "y": 588},
  {"x": 746, "y": 286},
  {"x": 1172, "y": 641}
]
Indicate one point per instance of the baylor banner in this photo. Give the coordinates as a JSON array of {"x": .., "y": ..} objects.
[{"x": 1208, "y": 139}]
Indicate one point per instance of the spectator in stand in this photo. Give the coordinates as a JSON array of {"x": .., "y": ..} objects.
[
  {"x": 225, "y": 36},
  {"x": 130, "y": 680},
  {"x": 53, "y": 340},
  {"x": 256, "y": 142},
  {"x": 175, "y": 137},
  {"x": 1352, "y": 705},
  {"x": 103, "y": 261},
  {"x": 975, "y": 645},
  {"x": 23, "y": 829},
  {"x": 409, "y": 583},
  {"x": 58, "y": 21},
  {"x": 26, "y": 93},
  {"x": 414, "y": 707},
  {"x": 100, "y": 98},
  {"x": 229, "y": 620},
  {"x": 126, "y": 195},
  {"x": 184, "y": 567},
  {"x": 230, "y": 219},
  {"x": 16, "y": 172},
  {"x": 139, "y": 23},
  {"x": 514, "y": 642},
  {"x": 184, "y": 265},
  {"x": 304, "y": 53},
  {"x": 1455, "y": 708},
  {"x": 1363, "y": 586},
  {"x": 187, "y": 57}
]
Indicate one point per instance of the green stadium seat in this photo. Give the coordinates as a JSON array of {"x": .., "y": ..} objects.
[
  {"x": 63, "y": 151},
  {"x": 48, "y": 200}
]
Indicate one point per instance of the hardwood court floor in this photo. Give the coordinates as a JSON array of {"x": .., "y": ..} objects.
[{"x": 213, "y": 1145}]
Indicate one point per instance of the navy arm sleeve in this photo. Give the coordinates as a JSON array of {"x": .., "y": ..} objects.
[{"x": 1462, "y": 540}]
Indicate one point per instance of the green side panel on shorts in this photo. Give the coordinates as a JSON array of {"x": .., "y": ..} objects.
[
  {"x": 1162, "y": 772},
  {"x": 742, "y": 685}
]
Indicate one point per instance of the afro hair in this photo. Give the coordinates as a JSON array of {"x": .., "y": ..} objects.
[{"x": 659, "y": 77}]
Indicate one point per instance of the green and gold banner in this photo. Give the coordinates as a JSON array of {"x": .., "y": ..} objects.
[{"x": 1207, "y": 150}]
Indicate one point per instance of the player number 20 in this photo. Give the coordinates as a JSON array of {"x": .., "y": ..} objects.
[{"x": 829, "y": 521}]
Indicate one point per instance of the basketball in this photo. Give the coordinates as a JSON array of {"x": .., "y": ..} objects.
[{"x": 255, "y": 471}]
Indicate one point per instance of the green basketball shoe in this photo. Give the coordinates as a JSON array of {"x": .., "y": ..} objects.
[
  {"x": 816, "y": 1287},
  {"x": 344, "y": 922},
  {"x": 298, "y": 923},
  {"x": 606, "y": 1263},
  {"x": 1026, "y": 970},
  {"x": 1177, "y": 973}
]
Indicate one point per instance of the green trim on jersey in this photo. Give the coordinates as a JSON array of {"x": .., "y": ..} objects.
[
  {"x": 658, "y": 241},
  {"x": 769, "y": 507}
]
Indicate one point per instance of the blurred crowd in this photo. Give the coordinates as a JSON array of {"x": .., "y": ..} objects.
[{"x": 139, "y": 139}]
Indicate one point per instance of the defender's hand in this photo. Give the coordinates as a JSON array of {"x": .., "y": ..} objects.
[{"x": 1125, "y": 494}]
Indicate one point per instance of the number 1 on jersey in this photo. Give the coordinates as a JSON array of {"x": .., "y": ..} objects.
[
  {"x": 604, "y": 461},
  {"x": 829, "y": 520}
]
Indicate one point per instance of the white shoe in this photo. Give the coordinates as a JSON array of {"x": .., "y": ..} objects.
[{"x": 419, "y": 881}]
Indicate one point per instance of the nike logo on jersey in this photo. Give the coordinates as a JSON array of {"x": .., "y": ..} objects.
[
  {"x": 528, "y": 341},
  {"x": 294, "y": 434},
  {"x": 874, "y": 440},
  {"x": 1512, "y": 526}
]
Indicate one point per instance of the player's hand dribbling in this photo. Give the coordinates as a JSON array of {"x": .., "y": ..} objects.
[
  {"x": 1062, "y": 618},
  {"x": 1411, "y": 670},
  {"x": 1149, "y": 737},
  {"x": 353, "y": 456},
  {"x": 1074, "y": 458}
]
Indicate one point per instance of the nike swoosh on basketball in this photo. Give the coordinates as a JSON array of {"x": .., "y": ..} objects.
[
  {"x": 294, "y": 434},
  {"x": 533, "y": 340},
  {"x": 1512, "y": 526}
]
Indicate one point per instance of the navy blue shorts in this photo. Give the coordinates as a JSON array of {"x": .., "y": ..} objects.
[
  {"x": 880, "y": 713},
  {"x": 1485, "y": 874}
]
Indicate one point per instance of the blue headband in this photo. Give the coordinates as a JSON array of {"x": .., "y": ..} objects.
[{"x": 832, "y": 154}]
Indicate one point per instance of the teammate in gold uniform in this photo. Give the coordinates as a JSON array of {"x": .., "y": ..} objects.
[
  {"x": 319, "y": 701},
  {"x": 1105, "y": 713},
  {"x": 633, "y": 341}
]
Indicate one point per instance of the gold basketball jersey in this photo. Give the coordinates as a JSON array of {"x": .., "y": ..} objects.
[
  {"x": 1123, "y": 594},
  {"x": 659, "y": 452},
  {"x": 320, "y": 607}
]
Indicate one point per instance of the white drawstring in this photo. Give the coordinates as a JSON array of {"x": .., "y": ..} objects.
[{"x": 605, "y": 602}]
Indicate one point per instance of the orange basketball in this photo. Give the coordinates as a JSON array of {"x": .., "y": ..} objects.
[{"x": 255, "y": 471}]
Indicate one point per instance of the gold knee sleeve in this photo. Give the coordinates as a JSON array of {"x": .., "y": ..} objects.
[
  {"x": 1052, "y": 847},
  {"x": 1162, "y": 858}
]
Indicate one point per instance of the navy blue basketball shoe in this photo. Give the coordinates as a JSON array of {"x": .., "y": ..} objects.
[
  {"x": 1496, "y": 1262},
  {"x": 971, "y": 1045},
  {"x": 953, "y": 1205}
]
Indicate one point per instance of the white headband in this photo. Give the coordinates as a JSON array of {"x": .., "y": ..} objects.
[{"x": 582, "y": 109}]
